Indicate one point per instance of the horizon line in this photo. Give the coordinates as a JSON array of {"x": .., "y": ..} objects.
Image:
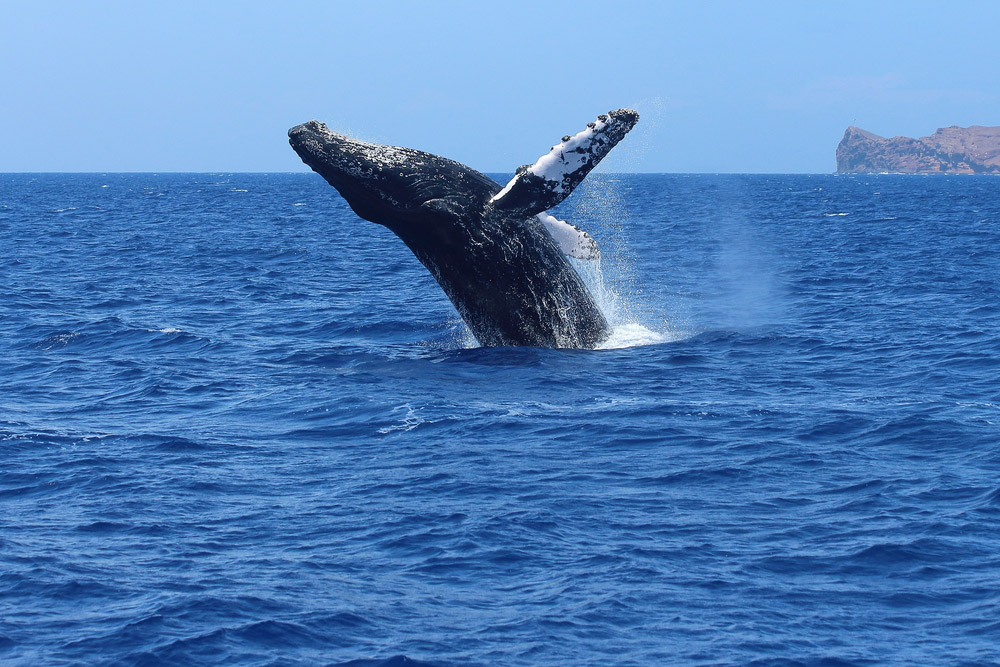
[
  {"x": 602, "y": 173},
  {"x": 596, "y": 173}
]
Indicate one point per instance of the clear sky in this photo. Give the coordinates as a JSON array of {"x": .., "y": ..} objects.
[{"x": 721, "y": 86}]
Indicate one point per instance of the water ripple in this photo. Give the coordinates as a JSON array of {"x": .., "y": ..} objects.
[{"x": 241, "y": 425}]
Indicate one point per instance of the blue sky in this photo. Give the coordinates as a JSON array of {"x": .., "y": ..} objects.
[{"x": 721, "y": 86}]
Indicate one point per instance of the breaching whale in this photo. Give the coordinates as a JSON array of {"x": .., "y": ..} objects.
[{"x": 494, "y": 250}]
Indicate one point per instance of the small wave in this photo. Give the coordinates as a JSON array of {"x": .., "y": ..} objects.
[
  {"x": 411, "y": 421},
  {"x": 174, "y": 444},
  {"x": 57, "y": 340},
  {"x": 394, "y": 661},
  {"x": 299, "y": 203},
  {"x": 834, "y": 215},
  {"x": 238, "y": 190}
]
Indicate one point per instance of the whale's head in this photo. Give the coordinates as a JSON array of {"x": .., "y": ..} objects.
[{"x": 390, "y": 185}]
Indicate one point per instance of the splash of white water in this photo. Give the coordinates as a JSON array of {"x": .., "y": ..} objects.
[{"x": 625, "y": 330}]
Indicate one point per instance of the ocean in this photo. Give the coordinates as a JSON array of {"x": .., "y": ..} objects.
[{"x": 240, "y": 425}]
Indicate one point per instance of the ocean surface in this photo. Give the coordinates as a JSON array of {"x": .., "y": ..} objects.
[{"x": 240, "y": 425}]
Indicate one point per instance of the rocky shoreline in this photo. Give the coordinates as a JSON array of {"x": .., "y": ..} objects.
[{"x": 950, "y": 150}]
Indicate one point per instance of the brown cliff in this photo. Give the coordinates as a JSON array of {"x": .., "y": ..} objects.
[{"x": 950, "y": 150}]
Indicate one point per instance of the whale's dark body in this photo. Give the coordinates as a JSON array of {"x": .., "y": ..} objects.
[{"x": 486, "y": 246}]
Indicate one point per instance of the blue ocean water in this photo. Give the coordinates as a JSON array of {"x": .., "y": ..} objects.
[{"x": 239, "y": 424}]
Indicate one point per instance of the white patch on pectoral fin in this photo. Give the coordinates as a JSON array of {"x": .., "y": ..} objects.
[
  {"x": 572, "y": 240},
  {"x": 540, "y": 186}
]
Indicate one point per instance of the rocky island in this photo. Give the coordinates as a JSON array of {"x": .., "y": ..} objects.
[{"x": 950, "y": 150}]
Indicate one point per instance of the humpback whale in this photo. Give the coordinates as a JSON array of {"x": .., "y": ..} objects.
[{"x": 495, "y": 251}]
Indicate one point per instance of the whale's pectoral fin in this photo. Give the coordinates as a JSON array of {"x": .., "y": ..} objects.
[
  {"x": 572, "y": 240},
  {"x": 540, "y": 186}
]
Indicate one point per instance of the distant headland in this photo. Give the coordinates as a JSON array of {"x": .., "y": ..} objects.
[{"x": 950, "y": 150}]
